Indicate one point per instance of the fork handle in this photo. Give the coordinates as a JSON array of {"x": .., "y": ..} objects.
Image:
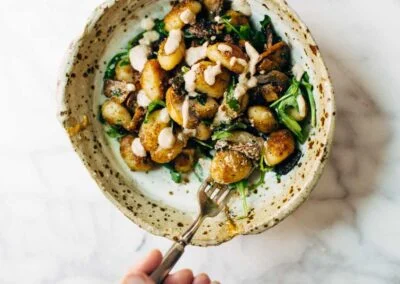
[
  {"x": 169, "y": 261},
  {"x": 176, "y": 251}
]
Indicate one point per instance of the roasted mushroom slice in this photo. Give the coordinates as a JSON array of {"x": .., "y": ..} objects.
[
  {"x": 237, "y": 18},
  {"x": 185, "y": 161},
  {"x": 138, "y": 117},
  {"x": 118, "y": 91},
  {"x": 279, "y": 146},
  {"x": 138, "y": 161},
  {"x": 274, "y": 84},
  {"x": 243, "y": 142},
  {"x": 275, "y": 58},
  {"x": 230, "y": 166}
]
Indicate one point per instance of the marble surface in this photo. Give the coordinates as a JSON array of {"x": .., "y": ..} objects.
[{"x": 56, "y": 227}]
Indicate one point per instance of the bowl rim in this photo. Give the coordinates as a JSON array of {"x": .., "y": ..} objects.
[{"x": 282, "y": 214}]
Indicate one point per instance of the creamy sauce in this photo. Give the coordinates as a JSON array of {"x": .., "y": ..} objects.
[
  {"x": 224, "y": 47},
  {"x": 147, "y": 24},
  {"x": 253, "y": 55},
  {"x": 217, "y": 19},
  {"x": 187, "y": 16},
  {"x": 138, "y": 56},
  {"x": 190, "y": 79},
  {"x": 130, "y": 87},
  {"x": 166, "y": 138},
  {"x": 173, "y": 41},
  {"x": 298, "y": 71},
  {"x": 138, "y": 149},
  {"x": 241, "y": 6},
  {"x": 164, "y": 116},
  {"x": 190, "y": 132},
  {"x": 185, "y": 112},
  {"x": 195, "y": 54},
  {"x": 149, "y": 37},
  {"x": 211, "y": 73},
  {"x": 302, "y": 106},
  {"x": 233, "y": 61},
  {"x": 142, "y": 99}
]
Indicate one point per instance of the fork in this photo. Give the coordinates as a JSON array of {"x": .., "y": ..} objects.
[{"x": 212, "y": 197}]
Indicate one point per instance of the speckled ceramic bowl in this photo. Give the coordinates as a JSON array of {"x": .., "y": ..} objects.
[{"x": 151, "y": 200}]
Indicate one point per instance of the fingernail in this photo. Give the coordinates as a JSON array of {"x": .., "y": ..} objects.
[{"x": 135, "y": 279}]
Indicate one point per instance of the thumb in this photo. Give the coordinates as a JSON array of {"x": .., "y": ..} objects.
[{"x": 137, "y": 278}]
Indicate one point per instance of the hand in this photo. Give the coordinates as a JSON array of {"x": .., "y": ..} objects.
[{"x": 139, "y": 274}]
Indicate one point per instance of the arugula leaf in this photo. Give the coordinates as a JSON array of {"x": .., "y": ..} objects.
[
  {"x": 198, "y": 171},
  {"x": 135, "y": 41},
  {"x": 309, "y": 89},
  {"x": 154, "y": 105},
  {"x": 159, "y": 26},
  {"x": 175, "y": 175},
  {"x": 242, "y": 187},
  {"x": 110, "y": 70},
  {"x": 242, "y": 31},
  {"x": 116, "y": 132},
  {"x": 263, "y": 171},
  {"x": 225, "y": 131},
  {"x": 202, "y": 143},
  {"x": 202, "y": 99},
  {"x": 232, "y": 102},
  {"x": 265, "y": 22}
]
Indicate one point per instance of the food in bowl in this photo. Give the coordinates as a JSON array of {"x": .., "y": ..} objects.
[{"x": 206, "y": 81}]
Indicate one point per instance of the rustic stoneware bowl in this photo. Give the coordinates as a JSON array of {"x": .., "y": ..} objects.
[{"x": 151, "y": 200}]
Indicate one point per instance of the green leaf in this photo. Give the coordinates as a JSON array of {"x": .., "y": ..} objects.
[
  {"x": 116, "y": 132},
  {"x": 263, "y": 170},
  {"x": 198, "y": 171},
  {"x": 242, "y": 187},
  {"x": 224, "y": 131},
  {"x": 175, "y": 175},
  {"x": 231, "y": 101},
  {"x": 202, "y": 99},
  {"x": 100, "y": 117},
  {"x": 185, "y": 69},
  {"x": 159, "y": 26},
  {"x": 309, "y": 89},
  {"x": 110, "y": 70},
  {"x": 202, "y": 143},
  {"x": 154, "y": 105},
  {"x": 266, "y": 21},
  {"x": 135, "y": 41}
]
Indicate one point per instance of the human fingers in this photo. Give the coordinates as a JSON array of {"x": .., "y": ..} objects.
[
  {"x": 202, "y": 279},
  {"x": 184, "y": 276}
]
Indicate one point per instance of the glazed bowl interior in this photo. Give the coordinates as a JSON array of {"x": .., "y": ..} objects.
[{"x": 152, "y": 200}]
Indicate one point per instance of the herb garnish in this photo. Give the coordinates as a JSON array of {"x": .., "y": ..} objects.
[
  {"x": 242, "y": 188},
  {"x": 289, "y": 100},
  {"x": 159, "y": 26},
  {"x": 226, "y": 131},
  {"x": 175, "y": 175},
  {"x": 110, "y": 70},
  {"x": 116, "y": 132},
  {"x": 232, "y": 102},
  {"x": 154, "y": 105}
]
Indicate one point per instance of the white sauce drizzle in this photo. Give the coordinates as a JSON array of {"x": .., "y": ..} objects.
[
  {"x": 233, "y": 61},
  {"x": 185, "y": 112},
  {"x": 149, "y": 37},
  {"x": 190, "y": 132},
  {"x": 147, "y": 23},
  {"x": 138, "y": 56},
  {"x": 187, "y": 16},
  {"x": 217, "y": 19},
  {"x": 164, "y": 116},
  {"x": 253, "y": 55},
  {"x": 173, "y": 41},
  {"x": 166, "y": 138},
  {"x": 142, "y": 99},
  {"x": 298, "y": 71},
  {"x": 211, "y": 72},
  {"x": 130, "y": 87},
  {"x": 224, "y": 47},
  {"x": 190, "y": 79},
  {"x": 241, "y": 6},
  {"x": 138, "y": 149},
  {"x": 195, "y": 54},
  {"x": 302, "y": 106}
]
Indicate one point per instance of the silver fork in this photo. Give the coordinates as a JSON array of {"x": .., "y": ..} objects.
[{"x": 212, "y": 198}]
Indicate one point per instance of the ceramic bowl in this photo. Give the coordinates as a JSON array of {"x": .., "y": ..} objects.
[{"x": 152, "y": 200}]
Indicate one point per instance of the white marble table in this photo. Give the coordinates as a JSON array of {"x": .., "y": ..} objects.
[{"x": 56, "y": 227}]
